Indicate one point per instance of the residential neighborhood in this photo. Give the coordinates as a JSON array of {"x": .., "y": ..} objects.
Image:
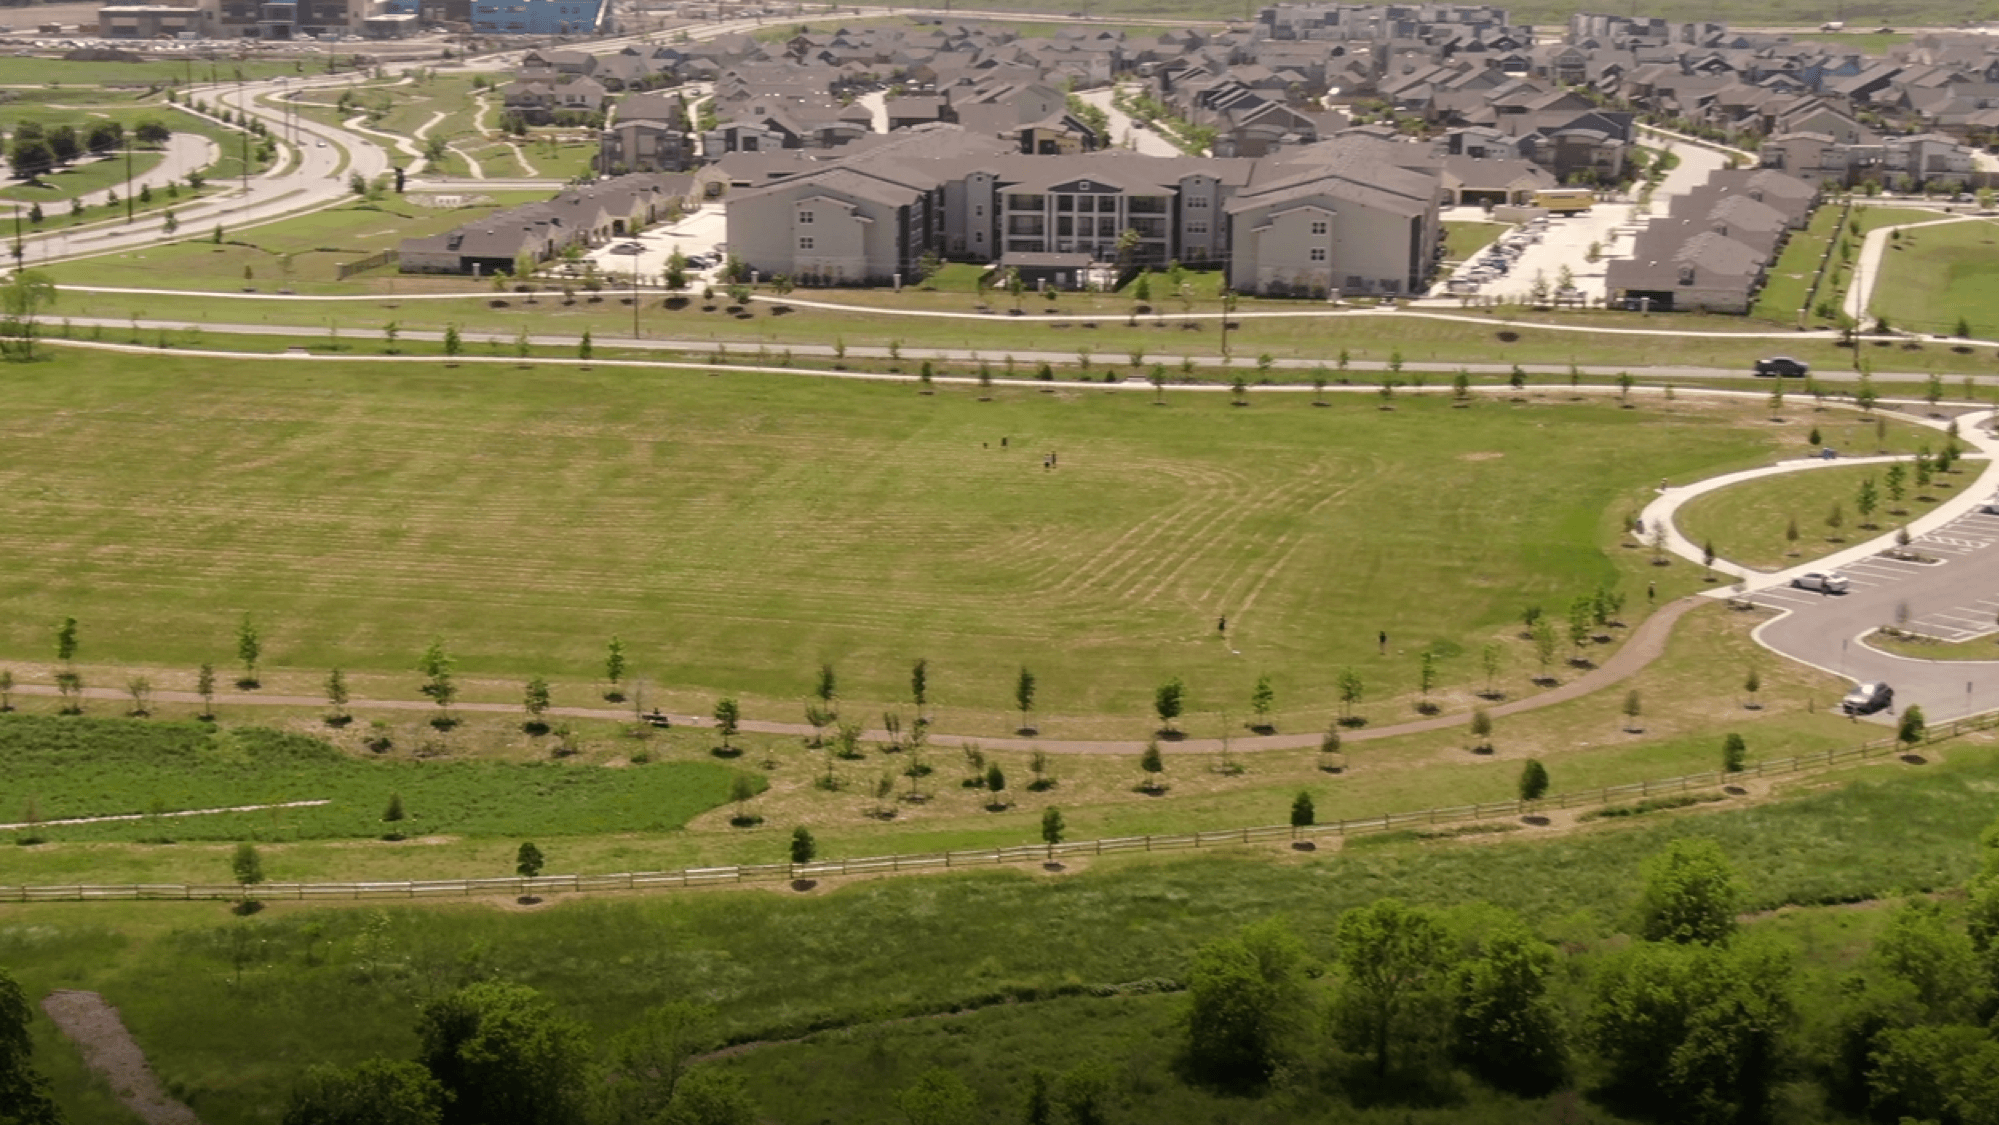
[{"x": 1320, "y": 144}]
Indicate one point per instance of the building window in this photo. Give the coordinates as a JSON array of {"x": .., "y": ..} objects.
[
  {"x": 1319, "y": 228},
  {"x": 804, "y": 217},
  {"x": 1197, "y": 227},
  {"x": 979, "y": 211},
  {"x": 1318, "y": 253},
  {"x": 1198, "y": 203},
  {"x": 805, "y": 243}
]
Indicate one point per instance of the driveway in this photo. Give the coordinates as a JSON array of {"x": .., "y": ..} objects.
[{"x": 1612, "y": 226}]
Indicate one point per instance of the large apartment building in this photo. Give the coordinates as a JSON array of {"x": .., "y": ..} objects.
[{"x": 1335, "y": 218}]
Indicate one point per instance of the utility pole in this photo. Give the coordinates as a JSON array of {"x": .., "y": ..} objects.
[{"x": 128, "y": 181}]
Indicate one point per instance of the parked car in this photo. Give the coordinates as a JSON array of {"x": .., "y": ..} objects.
[
  {"x": 1824, "y": 581},
  {"x": 627, "y": 248},
  {"x": 1783, "y": 365},
  {"x": 1990, "y": 507},
  {"x": 1865, "y": 699}
]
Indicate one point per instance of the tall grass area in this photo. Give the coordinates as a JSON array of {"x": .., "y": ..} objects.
[
  {"x": 738, "y": 531},
  {"x": 339, "y": 984}
]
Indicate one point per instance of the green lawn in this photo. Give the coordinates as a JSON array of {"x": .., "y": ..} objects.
[
  {"x": 1462, "y": 240},
  {"x": 774, "y": 965},
  {"x": 27, "y": 70},
  {"x": 315, "y": 245},
  {"x": 1934, "y": 276},
  {"x": 105, "y": 767},
  {"x": 1747, "y": 522},
  {"x": 738, "y": 530},
  {"x": 1791, "y": 277}
]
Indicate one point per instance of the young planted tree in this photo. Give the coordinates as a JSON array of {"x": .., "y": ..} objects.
[
  {"x": 6, "y": 690},
  {"x": 614, "y": 670},
  {"x": 1912, "y": 728},
  {"x": 204, "y": 686},
  {"x": 742, "y": 788},
  {"x": 454, "y": 344},
  {"x": 1866, "y": 501},
  {"x": 528, "y": 861},
  {"x": 247, "y": 866},
  {"x": 919, "y": 687},
  {"x": 1481, "y": 731},
  {"x": 1544, "y": 645},
  {"x": 336, "y": 697},
  {"x": 1302, "y": 813},
  {"x": 1051, "y": 826},
  {"x": 1023, "y": 698},
  {"x": 1734, "y": 753},
  {"x": 1633, "y": 708},
  {"x": 1533, "y": 780},
  {"x": 1351, "y": 689},
  {"x": 1261, "y": 698},
  {"x": 1489, "y": 659},
  {"x": 535, "y": 701},
  {"x": 995, "y": 785},
  {"x": 249, "y": 650},
  {"x": 66, "y": 641},
  {"x": 803, "y": 847},
  {"x": 1329, "y": 750},
  {"x": 141, "y": 690},
  {"x": 1037, "y": 764},
  {"x": 1835, "y": 518},
  {"x": 826, "y": 690},
  {"x": 1791, "y": 537},
  {"x": 1426, "y": 681},
  {"x": 728, "y": 716},
  {"x": 1752, "y": 682},
  {"x": 435, "y": 664},
  {"x": 1154, "y": 764},
  {"x": 1167, "y": 701}
]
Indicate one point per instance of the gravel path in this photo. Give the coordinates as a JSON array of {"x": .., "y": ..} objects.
[{"x": 111, "y": 1051}]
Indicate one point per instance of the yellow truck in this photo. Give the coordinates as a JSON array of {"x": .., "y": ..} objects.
[{"x": 1565, "y": 201}]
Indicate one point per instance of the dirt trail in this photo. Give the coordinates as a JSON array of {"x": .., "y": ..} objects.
[{"x": 110, "y": 1050}]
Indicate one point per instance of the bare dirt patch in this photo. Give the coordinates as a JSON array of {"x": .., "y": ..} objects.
[
  {"x": 1480, "y": 456},
  {"x": 111, "y": 1051}
]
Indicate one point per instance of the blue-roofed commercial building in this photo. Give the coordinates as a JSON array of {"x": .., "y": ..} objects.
[{"x": 536, "y": 17}]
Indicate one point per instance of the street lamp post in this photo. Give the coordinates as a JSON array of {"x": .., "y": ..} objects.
[{"x": 128, "y": 179}]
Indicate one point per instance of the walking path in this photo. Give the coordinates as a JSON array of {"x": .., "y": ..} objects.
[
  {"x": 109, "y": 1049},
  {"x": 1663, "y": 510},
  {"x": 1867, "y": 271},
  {"x": 1645, "y": 645}
]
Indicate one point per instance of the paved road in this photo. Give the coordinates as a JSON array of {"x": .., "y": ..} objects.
[
  {"x": 1145, "y": 141},
  {"x": 1955, "y": 598}
]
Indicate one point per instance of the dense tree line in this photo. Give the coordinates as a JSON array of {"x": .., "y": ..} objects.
[
  {"x": 1681, "y": 1017},
  {"x": 1685, "y": 1019},
  {"x": 36, "y": 149}
]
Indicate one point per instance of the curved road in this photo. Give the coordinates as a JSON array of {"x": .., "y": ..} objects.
[{"x": 1955, "y": 597}]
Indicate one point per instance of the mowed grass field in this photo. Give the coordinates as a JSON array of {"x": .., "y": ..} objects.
[
  {"x": 1748, "y": 523},
  {"x": 1936, "y": 275},
  {"x": 738, "y": 530}
]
